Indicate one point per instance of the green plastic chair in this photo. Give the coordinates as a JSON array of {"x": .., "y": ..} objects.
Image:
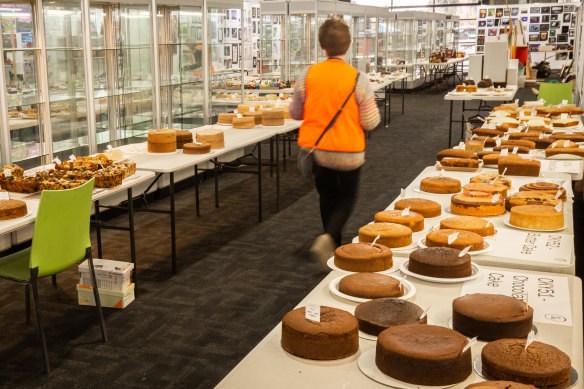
[
  {"x": 553, "y": 92},
  {"x": 60, "y": 240}
]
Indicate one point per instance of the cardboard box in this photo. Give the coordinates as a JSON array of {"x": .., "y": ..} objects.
[
  {"x": 114, "y": 275},
  {"x": 109, "y": 298}
]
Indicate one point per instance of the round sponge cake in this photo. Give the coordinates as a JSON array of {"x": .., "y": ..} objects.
[
  {"x": 378, "y": 315},
  {"x": 468, "y": 223},
  {"x": 371, "y": 286},
  {"x": 363, "y": 257},
  {"x": 441, "y": 185},
  {"x": 424, "y": 207},
  {"x": 440, "y": 262},
  {"x": 414, "y": 220},
  {"x": 391, "y": 234},
  {"x": 439, "y": 238}
]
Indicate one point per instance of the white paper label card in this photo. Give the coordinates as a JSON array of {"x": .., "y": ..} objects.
[
  {"x": 235, "y": 110},
  {"x": 109, "y": 147},
  {"x": 239, "y": 116},
  {"x": 7, "y": 172},
  {"x": 566, "y": 143},
  {"x": 281, "y": 94},
  {"x": 530, "y": 339},
  {"x": 4, "y": 196},
  {"x": 504, "y": 171},
  {"x": 488, "y": 224},
  {"x": 504, "y": 152},
  {"x": 564, "y": 102},
  {"x": 441, "y": 174},
  {"x": 313, "y": 312},
  {"x": 495, "y": 198},
  {"x": 403, "y": 193},
  {"x": 549, "y": 295},
  {"x": 464, "y": 251},
  {"x": 498, "y": 142},
  {"x": 251, "y": 109},
  {"x": 563, "y": 115},
  {"x": 522, "y": 113},
  {"x": 57, "y": 160},
  {"x": 452, "y": 237},
  {"x": 559, "y": 207},
  {"x": 470, "y": 344},
  {"x": 534, "y": 247},
  {"x": 72, "y": 157},
  {"x": 558, "y": 194},
  {"x": 406, "y": 212},
  {"x": 517, "y": 101},
  {"x": 481, "y": 118},
  {"x": 261, "y": 106},
  {"x": 515, "y": 149},
  {"x": 492, "y": 126},
  {"x": 541, "y": 135},
  {"x": 375, "y": 240}
]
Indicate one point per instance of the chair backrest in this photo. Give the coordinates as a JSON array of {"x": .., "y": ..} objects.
[
  {"x": 554, "y": 93},
  {"x": 61, "y": 231}
]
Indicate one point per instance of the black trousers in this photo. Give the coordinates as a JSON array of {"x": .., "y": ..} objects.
[{"x": 338, "y": 194}]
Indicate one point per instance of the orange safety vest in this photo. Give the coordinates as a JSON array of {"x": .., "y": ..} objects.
[{"x": 328, "y": 84}]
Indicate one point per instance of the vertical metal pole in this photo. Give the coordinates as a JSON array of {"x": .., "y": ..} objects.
[
  {"x": 43, "y": 84},
  {"x": 155, "y": 64},
  {"x": 172, "y": 223},
  {"x": 450, "y": 124},
  {"x": 132, "y": 229},
  {"x": 286, "y": 50},
  {"x": 242, "y": 50},
  {"x": 98, "y": 229},
  {"x": 206, "y": 71},
  {"x": 260, "y": 181},
  {"x": 88, "y": 62},
  {"x": 5, "y": 121}
]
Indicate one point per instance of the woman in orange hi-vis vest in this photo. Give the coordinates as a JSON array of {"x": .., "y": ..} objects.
[{"x": 336, "y": 103}]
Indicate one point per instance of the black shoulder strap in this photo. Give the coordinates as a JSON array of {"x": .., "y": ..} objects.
[{"x": 334, "y": 119}]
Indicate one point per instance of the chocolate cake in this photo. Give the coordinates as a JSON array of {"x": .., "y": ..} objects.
[
  {"x": 336, "y": 336},
  {"x": 440, "y": 262},
  {"x": 363, "y": 257},
  {"x": 499, "y": 385},
  {"x": 378, "y": 315},
  {"x": 423, "y": 354},
  {"x": 540, "y": 365},
  {"x": 491, "y": 316},
  {"x": 370, "y": 286}
]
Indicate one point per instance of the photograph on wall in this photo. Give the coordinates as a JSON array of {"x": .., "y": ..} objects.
[
  {"x": 524, "y": 10},
  {"x": 492, "y": 32},
  {"x": 533, "y": 37},
  {"x": 253, "y": 12},
  {"x": 227, "y": 51},
  {"x": 482, "y": 23},
  {"x": 534, "y": 28},
  {"x": 565, "y": 29},
  {"x": 200, "y": 34},
  {"x": 554, "y": 17},
  {"x": 490, "y": 22},
  {"x": 483, "y": 13},
  {"x": 481, "y": 31},
  {"x": 481, "y": 40},
  {"x": 491, "y": 12},
  {"x": 552, "y": 32},
  {"x": 534, "y": 19},
  {"x": 234, "y": 53},
  {"x": 524, "y": 19},
  {"x": 552, "y": 39},
  {"x": 571, "y": 33},
  {"x": 497, "y": 22},
  {"x": 514, "y": 11},
  {"x": 239, "y": 33},
  {"x": 534, "y": 10},
  {"x": 533, "y": 47},
  {"x": 234, "y": 33},
  {"x": 555, "y": 24},
  {"x": 545, "y": 10},
  {"x": 234, "y": 15},
  {"x": 573, "y": 18},
  {"x": 505, "y": 11},
  {"x": 569, "y": 8},
  {"x": 544, "y": 27},
  {"x": 567, "y": 18},
  {"x": 557, "y": 9},
  {"x": 505, "y": 22},
  {"x": 499, "y": 12},
  {"x": 543, "y": 36},
  {"x": 253, "y": 24},
  {"x": 513, "y": 21},
  {"x": 502, "y": 31},
  {"x": 545, "y": 18},
  {"x": 573, "y": 24},
  {"x": 562, "y": 38},
  {"x": 480, "y": 49}
]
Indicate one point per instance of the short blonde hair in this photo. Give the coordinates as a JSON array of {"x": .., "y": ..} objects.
[{"x": 334, "y": 37}]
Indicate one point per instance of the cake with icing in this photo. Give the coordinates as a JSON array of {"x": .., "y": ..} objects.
[
  {"x": 491, "y": 188},
  {"x": 491, "y": 316},
  {"x": 424, "y": 207},
  {"x": 413, "y": 220},
  {"x": 363, "y": 257},
  {"x": 440, "y": 262},
  {"x": 492, "y": 178},
  {"x": 335, "y": 336},
  {"x": 542, "y": 365},
  {"x": 370, "y": 286},
  {"x": 468, "y": 223},
  {"x": 379, "y": 314},
  {"x": 477, "y": 204},
  {"x": 391, "y": 234},
  {"x": 536, "y": 217},
  {"x": 423, "y": 354},
  {"x": 161, "y": 141},
  {"x": 441, "y": 185},
  {"x": 439, "y": 238}
]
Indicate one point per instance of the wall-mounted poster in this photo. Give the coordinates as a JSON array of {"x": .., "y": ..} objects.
[
  {"x": 533, "y": 47},
  {"x": 543, "y": 36},
  {"x": 544, "y": 27},
  {"x": 545, "y": 10},
  {"x": 481, "y": 31},
  {"x": 557, "y": 9},
  {"x": 505, "y": 22},
  {"x": 497, "y": 22},
  {"x": 524, "y": 10},
  {"x": 480, "y": 49},
  {"x": 234, "y": 53},
  {"x": 505, "y": 11},
  {"x": 514, "y": 11},
  {"x": 554, "y": 17},
  {"x": 534, "y": 10},
  {"x": 490, "y": 22},
  {"x": 562, "y": 38},
  {"x": 552, "y": 32},
  {"x": 253, "y": 12},
  {"x": 499, "y": 13},
  {"x": 552, "y": 40},
  {"x": 567, "y": 18},
  {"x": 555, "y": 24},
  {"x": 569, "y": 8},
  {"x": 545, "y": 18},
  {"x": 524, "y": 19},
  {"x": 483, "y": 13},
  {"x": 491, "y": 12},
  {"x": 571, "y": 34},
  {"x": 565, "y": 29},
  {"x": 534, "y": 19},
  {"x": 501, "y": 31},
  {"x": 492, "y": 32},
  {"x": 533, "y": 37},
  {"x": 481, "y": 40},
  {"x": 234, "y": 33},
  {"x": 227, "y": 51},
  {"x": 534, "y": 28},
  {"x": 482, "y": 23}
]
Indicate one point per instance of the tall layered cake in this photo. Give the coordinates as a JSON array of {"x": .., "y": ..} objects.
[
  {"x": 335, "y": 336},
  {"x": 491, "y": 316},
  {"x": 162, "y": 141},
  {"x": 212, "y": 136},
  {"x": 477, "y": 204},
  {"x": 423, "y": 354}
]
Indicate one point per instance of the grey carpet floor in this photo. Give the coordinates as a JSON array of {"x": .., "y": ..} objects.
[{"x": 236, "y": 277}]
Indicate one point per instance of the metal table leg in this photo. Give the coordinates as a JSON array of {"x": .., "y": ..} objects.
[
  {"x": 450, "y": 124},
  {"x": 216, "y": 177},
  {"x": 403, "y": 95},
  {"x": 272, "y": 156},
  {"x": 98, "y": 229},
  {"x": 132, "y": 231},
  {"x": 462, "y": 121},
  {"x": 260, "y": 181},
  {"x": 277, "y": 173},
  {"x": 284, "y": 154},
  {"x": 197, "y": 208},
  {"x": 172, "y": 223}
]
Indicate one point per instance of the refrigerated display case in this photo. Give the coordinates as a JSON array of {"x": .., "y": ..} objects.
[
  {"x": 122, "y": 72},
  {"x": 180, "y": 52}
]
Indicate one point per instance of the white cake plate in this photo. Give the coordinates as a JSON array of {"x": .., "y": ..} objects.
[
  {"x": 403, "y": 248},
  {"x": 409, "y": 290},
  {"x": 486, "y": 245},
  {"x": 331, "y": 263},
  {"x": 506, "y": 222},
  {"x": 476, "y": 272},
  {"x": 451, "y": 326}
]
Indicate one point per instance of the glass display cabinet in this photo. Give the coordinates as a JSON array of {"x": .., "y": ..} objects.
[
  {"x": 358, "y": 55},
  {"x": 225, "y": 24},
  {"x": 451, "y": 34},
  {"x": 180, "y": 54},
  {"x": 122, "y": 72},
  {"x": 274, "y": 51},
  {"x": 370, "y": 43},
  {"x": 23, "y": 106}
]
